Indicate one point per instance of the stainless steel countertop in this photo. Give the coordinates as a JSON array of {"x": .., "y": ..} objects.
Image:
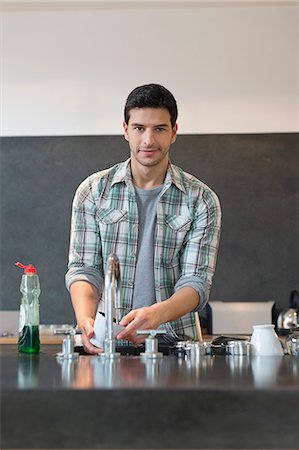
[
  {"x": 217, "y": 402},
  {"x": 45, "y": 371}
]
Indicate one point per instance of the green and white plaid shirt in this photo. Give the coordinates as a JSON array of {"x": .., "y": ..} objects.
[{"x": 105, "y": 220}]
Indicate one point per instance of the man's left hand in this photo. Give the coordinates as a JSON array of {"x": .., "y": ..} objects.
[{"x": 146, "y": 318}]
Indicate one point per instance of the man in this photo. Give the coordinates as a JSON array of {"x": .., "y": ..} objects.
[{"x": 162, "y": 223}]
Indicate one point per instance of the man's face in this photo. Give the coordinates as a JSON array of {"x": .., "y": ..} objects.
[{"x": 150, "y": 135}]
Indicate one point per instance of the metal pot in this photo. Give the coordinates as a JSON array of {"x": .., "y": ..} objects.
[
  {"x": 238, "y": 348},
  {"x": 292, "y": 342},
  {"x": 288, "y": 318}
]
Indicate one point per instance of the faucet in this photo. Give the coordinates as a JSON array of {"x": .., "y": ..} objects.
[{"x": 113, "y": 303}]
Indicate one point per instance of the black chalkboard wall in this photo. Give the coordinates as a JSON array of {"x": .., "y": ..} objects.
[{"x": 256, "y": 177}]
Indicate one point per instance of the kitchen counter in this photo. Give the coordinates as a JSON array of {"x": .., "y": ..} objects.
[{"x": 217, "y": 402}]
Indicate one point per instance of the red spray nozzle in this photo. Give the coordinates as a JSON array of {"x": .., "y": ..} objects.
[{"x": 27, "y": 269}]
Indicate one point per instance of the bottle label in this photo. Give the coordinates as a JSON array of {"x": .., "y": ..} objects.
[{"x": 22, "y": 318}]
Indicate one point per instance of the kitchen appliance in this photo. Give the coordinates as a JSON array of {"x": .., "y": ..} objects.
[
  {"x": 292, "y": 342},
  {"x": 237, "y": 317},
  {"x": 288, "y": 318}
]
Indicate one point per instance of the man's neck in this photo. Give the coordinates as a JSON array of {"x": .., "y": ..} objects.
[{"x": 148, "y": 177}]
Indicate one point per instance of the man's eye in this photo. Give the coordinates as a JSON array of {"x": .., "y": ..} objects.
[
  {"x": 160, "y": 129},
  {"x": 138, "y": 128}
]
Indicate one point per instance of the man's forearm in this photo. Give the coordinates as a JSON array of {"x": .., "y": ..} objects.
[
  {"x": 180, "y": 303},
  {"x": 85, "y": 300}
]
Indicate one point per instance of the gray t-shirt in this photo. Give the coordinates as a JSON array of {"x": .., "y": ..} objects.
[{"x": 144, "y": 285}]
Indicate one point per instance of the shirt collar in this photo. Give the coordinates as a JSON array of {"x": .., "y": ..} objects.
[
  {"x": 173, "y": 175},
  {"x": 123, "y": 173}
]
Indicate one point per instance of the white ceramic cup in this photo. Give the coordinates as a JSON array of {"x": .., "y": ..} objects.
[
  {"x": 265, "y": 341},
  {"x": 99, "y": 330}
]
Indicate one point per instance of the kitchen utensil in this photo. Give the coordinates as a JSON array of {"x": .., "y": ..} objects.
[
  {"x": 196, "y": 349},
  {"x": 265, "y": 341},
  {"x": 206, "y": 348},
  {"x": 288, "y": 318},
  {"x": 179, "y": 349},
  {"x": 292, "y": 342},
  {"x": 238, "y": 348},
  {"x": 218, "y": 345},
  {"x": 198, "y": 327}
]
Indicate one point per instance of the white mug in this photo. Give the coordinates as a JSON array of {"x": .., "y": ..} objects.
[
  {"x": 100, "y": 328},
  {"x": 265, "y": 341}
]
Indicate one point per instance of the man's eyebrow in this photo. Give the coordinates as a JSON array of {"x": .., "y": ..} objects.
[{"x": 154, "y": 126}]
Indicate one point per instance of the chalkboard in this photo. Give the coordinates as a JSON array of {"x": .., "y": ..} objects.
[{"x": 256, "y": 177}]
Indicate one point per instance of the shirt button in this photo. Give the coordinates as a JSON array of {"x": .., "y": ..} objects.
[
  {"x": 131, "y": 283},
  {"x": 133, "y": 254}
]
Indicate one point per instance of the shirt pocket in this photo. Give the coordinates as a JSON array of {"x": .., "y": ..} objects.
[
  {"x": 109, "y": 216},
  {"x": 179, "y": 224},
  {"x": 174, "y": 234},
  {"x": 114, "y": 230}
]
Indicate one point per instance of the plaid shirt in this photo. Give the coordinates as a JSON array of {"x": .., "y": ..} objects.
[{"x": 105, "y": 220}]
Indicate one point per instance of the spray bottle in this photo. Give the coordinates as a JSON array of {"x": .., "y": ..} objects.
[{"x": 29, "y": 311}]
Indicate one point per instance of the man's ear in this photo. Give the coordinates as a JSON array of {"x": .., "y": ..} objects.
[
  {"x": 174, "y": 133},
  {"x": 125, "y": 127}
]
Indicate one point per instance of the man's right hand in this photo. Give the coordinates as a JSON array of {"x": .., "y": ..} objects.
[
  {"x": 85, "y": 301},
  {"x": 87, "y": 332}
]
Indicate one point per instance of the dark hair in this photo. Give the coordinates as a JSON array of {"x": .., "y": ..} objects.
[{"x": 151, "y": 96}]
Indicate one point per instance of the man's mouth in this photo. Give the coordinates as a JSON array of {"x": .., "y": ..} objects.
[{"x": 148, "y": 150}]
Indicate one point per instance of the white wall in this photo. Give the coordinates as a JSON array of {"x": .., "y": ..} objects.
[{"x": 68, "y": 68}]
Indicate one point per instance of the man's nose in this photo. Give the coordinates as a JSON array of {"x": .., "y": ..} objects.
[{"x": 148, "y": 137}]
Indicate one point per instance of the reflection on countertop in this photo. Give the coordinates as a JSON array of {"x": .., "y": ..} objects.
[{"x": 132, "y": 372}]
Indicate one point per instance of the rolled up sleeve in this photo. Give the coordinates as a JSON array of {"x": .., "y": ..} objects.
[
  {"x": 89, "y": 274},
  {"x": 199, "y": 254},
  {"x": 85, "y": 256},
  {"x": 201, "y": 287}
]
